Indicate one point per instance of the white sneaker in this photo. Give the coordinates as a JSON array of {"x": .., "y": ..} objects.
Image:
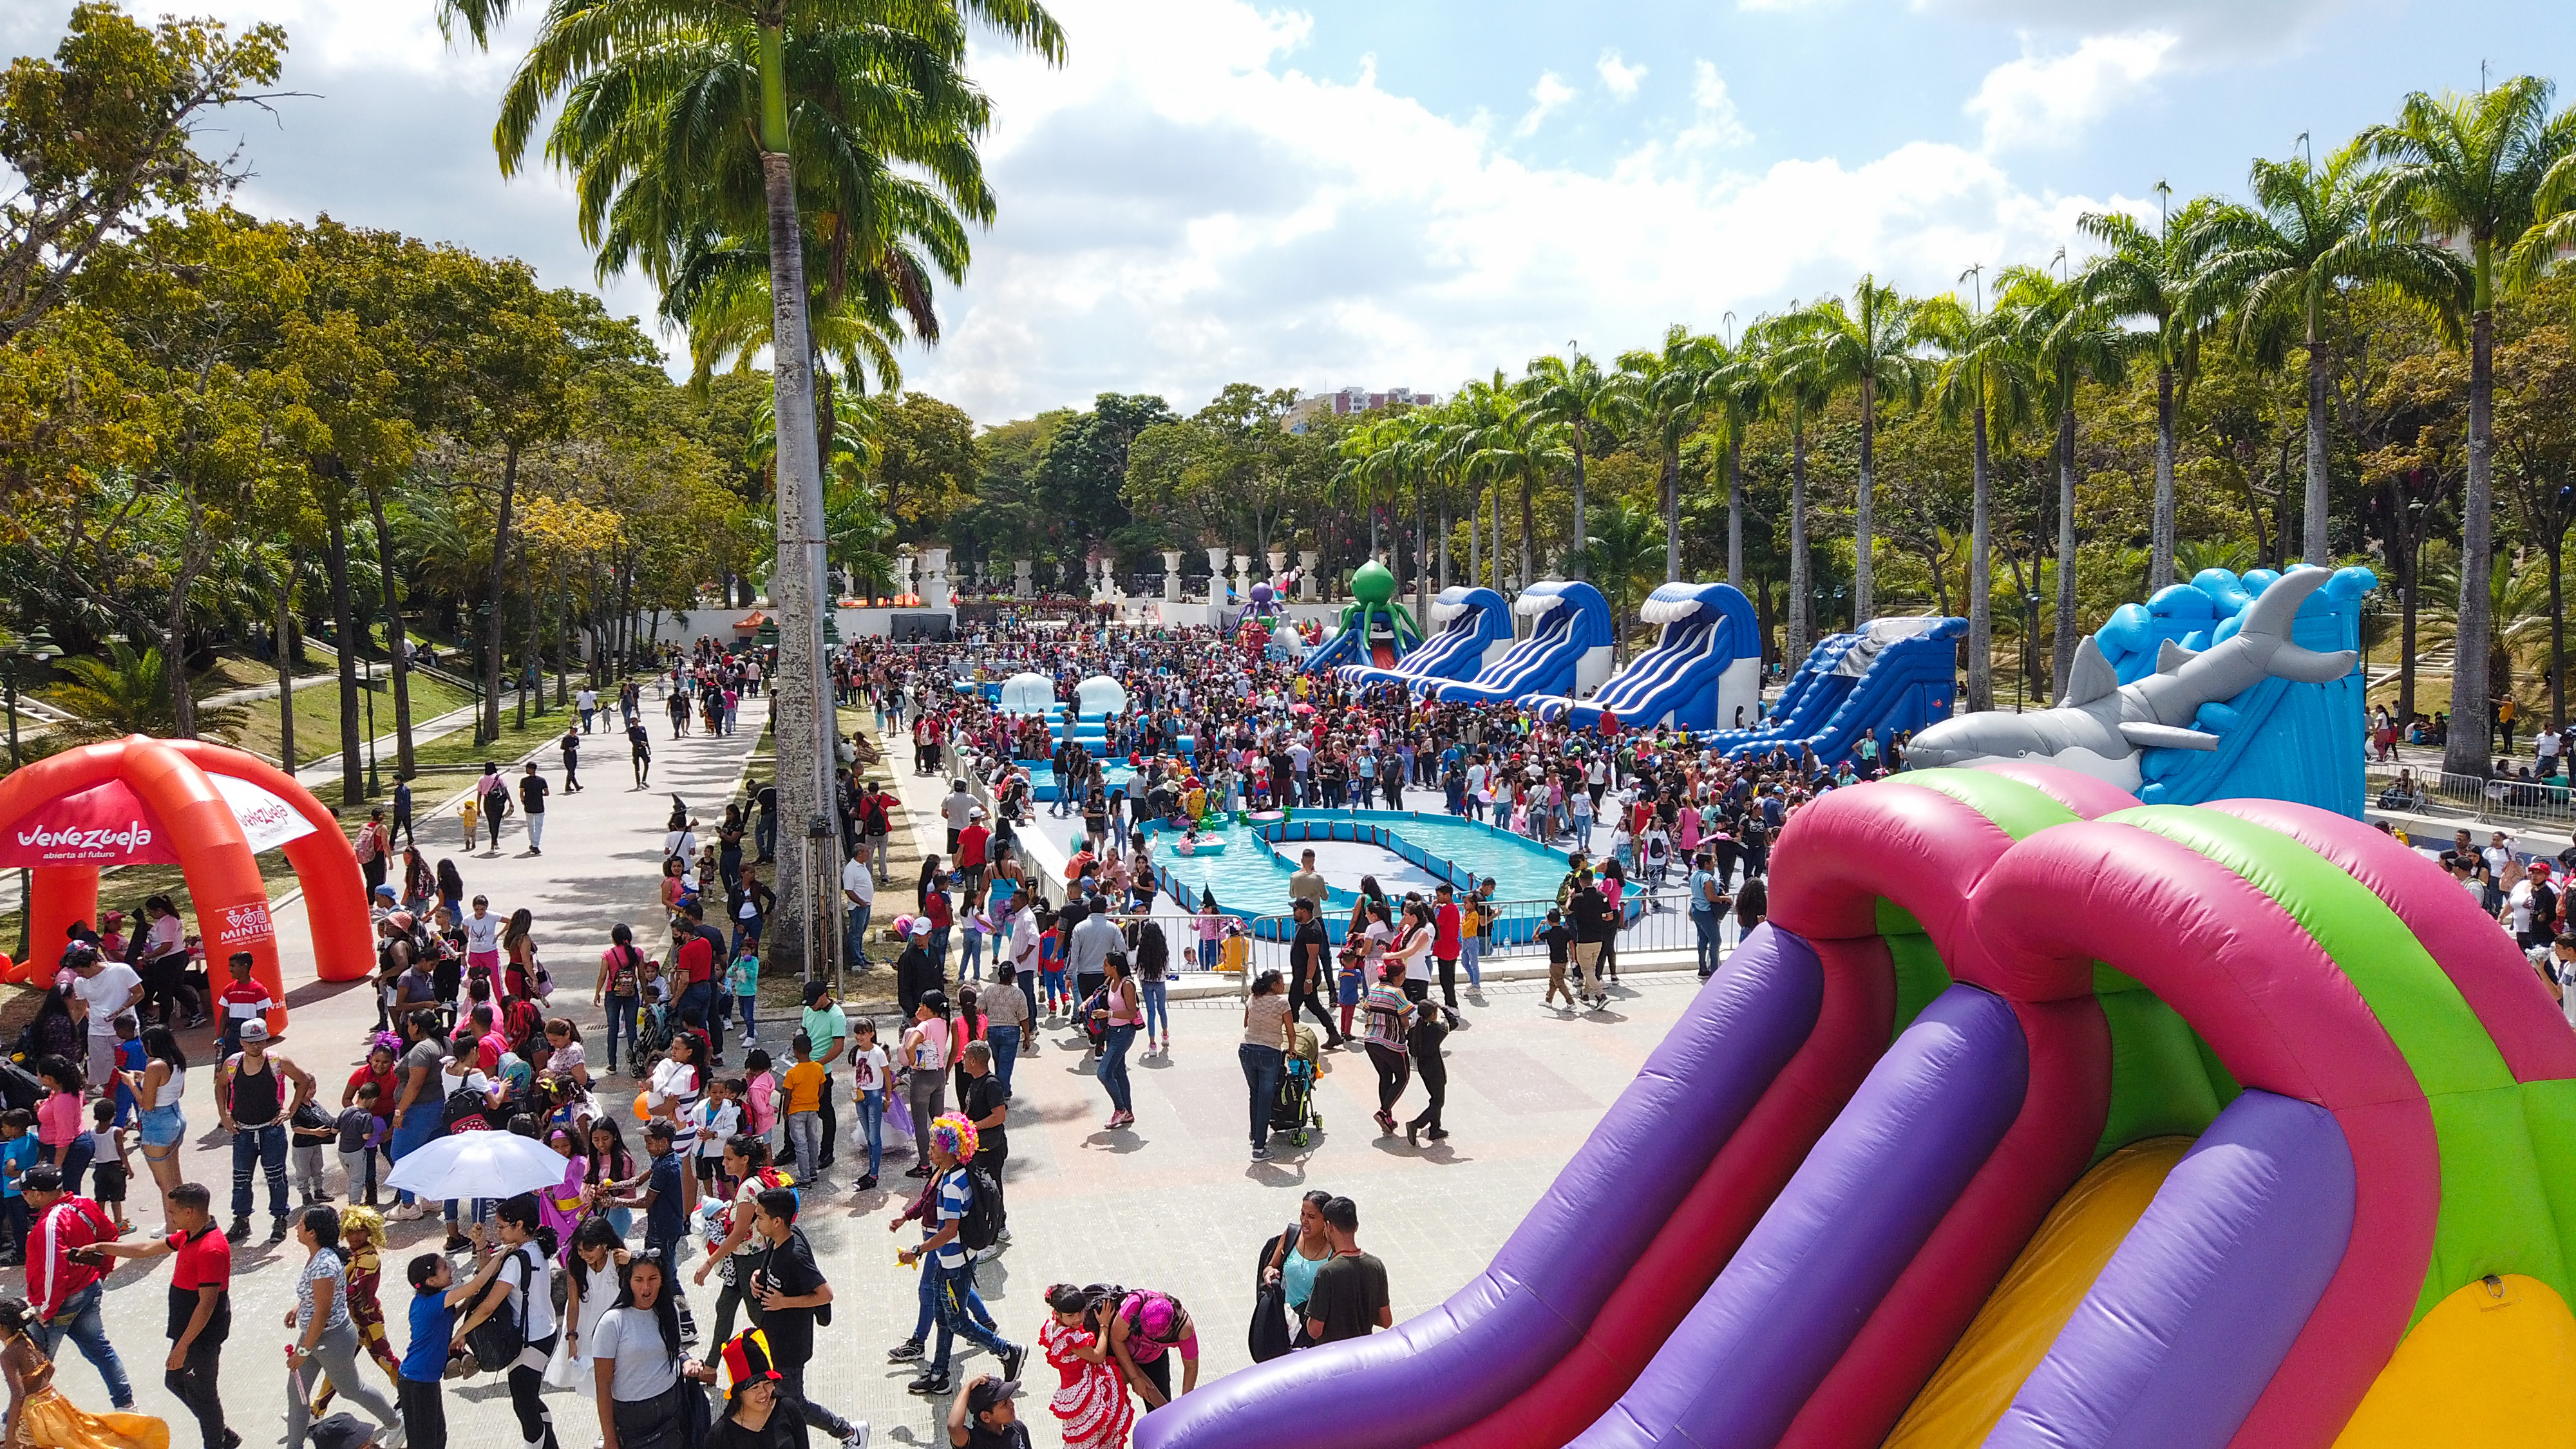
[{"x": 857, "y": 1438}]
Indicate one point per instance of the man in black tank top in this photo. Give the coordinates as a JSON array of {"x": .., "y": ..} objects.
[{"x": 256, "y": 1091}]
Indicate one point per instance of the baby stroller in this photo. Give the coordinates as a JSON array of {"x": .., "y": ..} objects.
[
  {"x": 652, "y": 1035},
  {"x": 1294, "y": 1113}
]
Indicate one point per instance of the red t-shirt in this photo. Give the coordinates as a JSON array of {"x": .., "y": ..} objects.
[
  {"x": 695, "y": 962},
  {"x": 1444, "y": 938},
  {"x": 203, "y": 1262},
  {"x": 386, "y": 1093},
  {"x": 937, "y": 909},
  {"x": 970, "y": 846}
]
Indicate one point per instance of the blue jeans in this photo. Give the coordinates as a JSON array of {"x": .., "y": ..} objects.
[
  {"x": 970, "y": 960},
  {"x": 1705, "y": 922},
  {"x": 1158, "y": 1011},
  {"x": 1112, "y": 1073},
  {"x": 698, "y": 1009},
  {"x": 854, "y": 935},
  {"x": 949, "y": 1295},
  {"x": 938, "y": 947},
  {"x": 872, "y": 1126},
  {"x": 1209, "y": 954},
  {"x": 621, "y": 1022},
  {"x": 420, "y": 1127},
  {"x": 1005, "y": 1041},
  {"x": 930, "y": 1303},
  {"x": 79, "y": 1320},
  {"x": 264, "y": 1148},
  {"x": 1470, "y": 951},
  {"x": 1261, "y": 1068},
  {"x": 742, "y": 1008}
]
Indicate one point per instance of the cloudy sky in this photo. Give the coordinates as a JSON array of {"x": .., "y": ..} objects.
[{"x": 1412, "y": 192}]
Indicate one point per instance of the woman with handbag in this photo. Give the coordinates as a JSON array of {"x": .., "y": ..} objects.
[
  {"x": 324, "y": 1332},
  {"x": 512, "y": 1326},
  {"x": 1118, "y": 1012},
  {"x": 592, "y": 1280},
  {"x": 638, "y": 1376},
  {"x": 1294, "y": 1256}
]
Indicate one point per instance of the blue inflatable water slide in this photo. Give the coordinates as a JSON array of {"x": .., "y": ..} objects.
[
  {"x": 1894, "y": 674},
  {"x": 1704, "y": 666}
]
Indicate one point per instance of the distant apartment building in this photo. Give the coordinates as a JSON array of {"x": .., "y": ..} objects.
[{"x": 1353, "y": 400}]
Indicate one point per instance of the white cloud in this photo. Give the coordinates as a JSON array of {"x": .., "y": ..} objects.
[
  {"x": 2042, "y": 100},
  {"x": 2208, "y": 30},
  {"x": 1183, "y": 208},
  {"x": 1758, "y": 5},
  {"x": 1715, "y": 125},
  {"x": 1546, "y": 98},
  {"x": 1620, "y": 77}
]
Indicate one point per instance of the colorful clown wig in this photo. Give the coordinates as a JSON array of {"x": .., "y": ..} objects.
[{"x": 955, "y": 1135}]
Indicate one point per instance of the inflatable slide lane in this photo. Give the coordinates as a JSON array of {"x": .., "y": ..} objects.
[
  {"x": 1896, "y": 674},
  {"x": 1567, "y": 651},
  {"x": 1705, "y": 666},
  {"x": 2219, "y": 687},
  {"x": 2033, "y": 1117},
  {"x": 1470, "y": 629}
]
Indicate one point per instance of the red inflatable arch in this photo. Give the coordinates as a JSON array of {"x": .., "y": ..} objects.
[{"x": 142, "y": 800}]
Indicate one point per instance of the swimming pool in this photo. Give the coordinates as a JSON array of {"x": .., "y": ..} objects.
[{"x": 1250, "y": 876}]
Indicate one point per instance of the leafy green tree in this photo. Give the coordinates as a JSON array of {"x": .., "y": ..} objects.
[
  {"x": 1798, "y": 377},
  {"x": 1082, "y": 477},
  {"x": 100, "y": 140},
  {"x": 2471, "y": 168},
  {"x": 2068, "y": 343},
  {"x": 1669, "y": 386},
  {"x": 1985, "y": 378},
  {"x": 1573, "y": 393},
  {"x": 1625, "y": 556},
  {"x": 2147, "y": 276},
  {"x": 1869, "y": 348},
  {"x": 927, "y": 460},
  {"x": 128, "y": 693},
  {"x": 2279, "y": 264}
]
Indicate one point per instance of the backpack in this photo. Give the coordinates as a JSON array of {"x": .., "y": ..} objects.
[
  {"x": 982, "y": 1224},
  {"x": 522, "y": 1023},
  {"x": 464, "y": 1111}
]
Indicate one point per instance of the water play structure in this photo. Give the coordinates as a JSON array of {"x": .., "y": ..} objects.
[
  {"x": 2223, "y": 686},
  {"x": 1567, "y": 651},
  {"x": 1890, "y": 675},
  {"x": 1705, "y": 666},
  {"x": 1405, "y": 849},
  {"x": 2032, "y": 1117},
  {"x": 207, "y": 809},
  {"x": 1471, "y": 629},
  {"x": 1375, "y": 630}
]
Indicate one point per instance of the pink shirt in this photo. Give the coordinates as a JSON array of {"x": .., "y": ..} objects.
[
  {"x": 763, "y": 1103},
  {"x": 58, "y": 1118}
]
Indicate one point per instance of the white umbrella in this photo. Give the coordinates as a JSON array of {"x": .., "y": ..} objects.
[{"x": 477, "y": 1164}]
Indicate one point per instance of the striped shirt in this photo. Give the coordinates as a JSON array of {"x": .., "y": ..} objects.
[{"x": 956, "y": 1194}]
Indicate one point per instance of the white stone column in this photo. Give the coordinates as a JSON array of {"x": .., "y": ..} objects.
[
  {"x": 1216, "y": 576},
  {"x": 1108, "y": 587},
  {"x": 1308, "y": 560},
  {"x": 936, "y": 592},
  {"x": 903, "y": 566},
  {"x": 1243, "y": 576},
  {"x": 1172, "y": 575},
  {"x": 1023, "y": 585}
]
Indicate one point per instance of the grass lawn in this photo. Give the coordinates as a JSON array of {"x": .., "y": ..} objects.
[{"x": 317, "y": 716}]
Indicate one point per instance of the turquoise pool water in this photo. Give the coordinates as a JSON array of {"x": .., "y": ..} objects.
[{"x": 1251, "y": 877}]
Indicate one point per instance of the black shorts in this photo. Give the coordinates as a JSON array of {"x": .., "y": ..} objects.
[{"x": 107, "y": 1182}]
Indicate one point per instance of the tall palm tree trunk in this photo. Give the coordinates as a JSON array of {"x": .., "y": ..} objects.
[
  {"x": 1734, "y": 511},
  {"x": 492, "y": 628},
  {"x": 2160, "y": 562},
  {"x": 2466, "y": 754},
  {"x": 290, "y": 652},
  {"x": 802, "y": 698},
  {"x": 1981, "y": 614},
  {"x": 1582, "y": 533},
  {"x": 1672, "y": 514},
  {"x": 1864, "y": 602},
  {"x": 394, "y": 633},
  {"x": 1475, "y": 542},
  {"x": 2062, "y": 649},
  {"x": 344, "y": 622},
  {"x": 1796, "y": 654},
  {"x": 2312, "y": 533},
  {"x": 1529, "y": 536}
]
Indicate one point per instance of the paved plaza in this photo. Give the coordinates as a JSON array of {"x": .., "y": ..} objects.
[{"x": 1173, "y": 1203}]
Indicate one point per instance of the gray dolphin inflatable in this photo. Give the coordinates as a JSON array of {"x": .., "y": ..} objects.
[{"x": 2102, "y": 725}]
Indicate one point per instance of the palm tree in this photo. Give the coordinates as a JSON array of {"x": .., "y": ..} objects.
[
  {"x": 1984, "y": 378},
  {"x": 1624, "y": 556},
  {"x": 1519, "y": 446},
  {"x": 1871, "y": 347},
  {"x": 1793, "y": 374},
  {"x": 2069, "y": 341},
  {"x": 128, "y": 693},
  {"x": 723, "y": 67},
  {"x": 1738, "y": 389},
  {"x": 1666, "y": 387},
  {"x": 1574, "y": 393},
  {"x": 2275, "y": 265},
  {"x": 2468, "y": 170},
  {"x": 2146, "y": 276}
]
